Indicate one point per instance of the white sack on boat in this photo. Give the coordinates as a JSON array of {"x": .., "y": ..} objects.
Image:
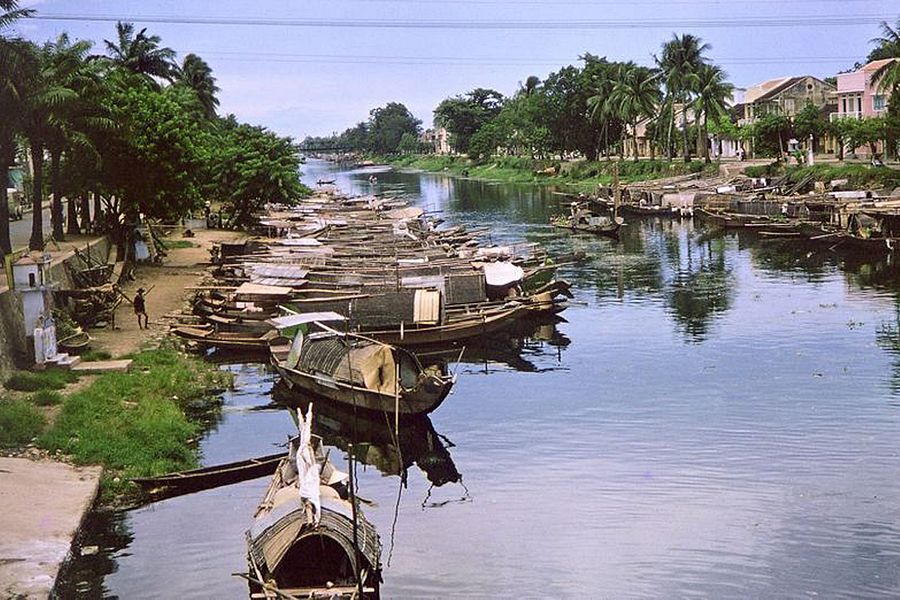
[
  {"x": 499, "y": 274},
  {"x": 307, "y": 467}
]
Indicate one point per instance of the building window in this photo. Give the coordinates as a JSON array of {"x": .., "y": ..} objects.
[{"x": 878, "y": 102}]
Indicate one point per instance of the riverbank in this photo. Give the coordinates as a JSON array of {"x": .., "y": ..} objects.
[
  {"x": 84, "y": 436},
  {"x": 580, "y": 175}
]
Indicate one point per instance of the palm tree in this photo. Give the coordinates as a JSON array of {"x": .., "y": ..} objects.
[
  {"x": 601, "y": 108},
  {"x": 13, "y": 57},
  {"x": 888, "y": 46},
  {"x": 51, "y": 97},
  {"x": 197, "y": 75},
  {"x": 713, "y": 93},
  {"x": 681, "y": 58},
  {"x": 140, "y": 53},
  {"x": 68, "y": 65},
  {"x": 635, "y": 96}
]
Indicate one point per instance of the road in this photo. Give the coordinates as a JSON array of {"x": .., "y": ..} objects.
[{"x": 20, "y": 231}]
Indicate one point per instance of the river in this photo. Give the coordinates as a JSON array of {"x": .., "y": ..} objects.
[{"x": 717, "y": 417}]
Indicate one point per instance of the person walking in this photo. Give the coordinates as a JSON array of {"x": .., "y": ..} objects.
[{"x": 140, "y": 307}]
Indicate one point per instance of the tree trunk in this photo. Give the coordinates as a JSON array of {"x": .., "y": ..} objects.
[
  {"x": 37, "y": 195},
  {"x": 684, "y": 135},
  {"x": 56, "y": 210},
  {"x": 86, "y": 213},
  {"x": 98, "y": 211},
  {"x": 705, "y": 141},
  {"x": 634, "y": 139},
  {"x": 5, "y": 243}
]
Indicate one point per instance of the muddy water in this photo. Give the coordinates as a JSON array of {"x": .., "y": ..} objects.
[{"x": 719, "y": 417}]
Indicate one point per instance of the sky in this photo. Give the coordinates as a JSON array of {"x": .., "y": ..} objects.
[{"x": 318, "y": 67}]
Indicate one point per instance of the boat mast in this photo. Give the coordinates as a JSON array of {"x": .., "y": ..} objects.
[{"x": 356, "y": 562}]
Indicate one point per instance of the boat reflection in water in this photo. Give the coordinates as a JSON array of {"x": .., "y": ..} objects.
[
  {"x": 373, "y": 441},
  {"x": 524, "y": 346}
]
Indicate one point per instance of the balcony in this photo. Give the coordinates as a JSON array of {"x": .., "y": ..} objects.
[{"x": 835, "y": 116}]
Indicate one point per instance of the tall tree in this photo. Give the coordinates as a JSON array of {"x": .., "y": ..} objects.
[
  {"x": 680, "y": 60},
  {"x": 713, "y": 92},
  {"x": 197, "y": 75},
  {"x": 464, "y": 115},
  {"x": 13, "y": 56},
  {"x": 635, "y": 96},
  {"x": 67, "y": 67},
  {"x": 141, "y": 53},
  {"x": 387, "y": 124}
]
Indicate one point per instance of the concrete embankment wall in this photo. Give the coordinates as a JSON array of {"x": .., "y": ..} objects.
[{"x": 14, "y": 349}]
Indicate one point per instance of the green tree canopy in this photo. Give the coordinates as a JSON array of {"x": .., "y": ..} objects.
[{"x": 387, "y": 124}]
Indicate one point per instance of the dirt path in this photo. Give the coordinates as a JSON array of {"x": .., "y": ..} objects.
[{"x": 183, "y": 267}]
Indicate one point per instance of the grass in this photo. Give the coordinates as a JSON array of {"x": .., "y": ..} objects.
[
  {"x": 46, "y": 398},
  {"x": 580, "y": 174},
  {"x": 141, "y": 423},
  {"x": 864, "y": 176},
  {"x": 95, "y": 355},
  {"x": 20, "y": 422},
  {"x": 26, "y": 381},
  {"x": 175, "y": 244}
]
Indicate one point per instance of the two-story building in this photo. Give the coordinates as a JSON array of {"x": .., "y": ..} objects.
[
  {"x": 785, "y": 96},
  {"x": 859, "y": 98},
  {"x": 438, "y": 139}
]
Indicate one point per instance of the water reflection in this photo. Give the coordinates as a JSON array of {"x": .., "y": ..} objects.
[{"x": 374, "y": 441}]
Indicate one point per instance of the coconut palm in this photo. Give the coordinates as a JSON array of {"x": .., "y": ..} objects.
[
  {"x": 197, "y": 75},
  {"x": 51, "y": 98},
  {"x": 711, "y": 100},
  {"x": 887, "y": 46},
  {"x": 635, "y": 96},
  {"x": 680, "y": 59},
  {"x": 601, "y": 107},
  {"x": 140, "y": 53},
  {"x": 13, "y": 54}
]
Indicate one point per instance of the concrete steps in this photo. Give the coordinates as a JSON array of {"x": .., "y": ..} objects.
[
  {"x": 104, "y": 366},
  {"x": 63, "y": 361}
]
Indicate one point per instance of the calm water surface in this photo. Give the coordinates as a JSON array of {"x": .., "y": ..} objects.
[{"x": 718, "y": 418}]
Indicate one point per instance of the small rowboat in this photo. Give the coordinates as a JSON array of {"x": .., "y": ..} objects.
[{"x": 195, "y": 480}]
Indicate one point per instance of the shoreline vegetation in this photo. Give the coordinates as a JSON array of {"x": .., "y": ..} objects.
[
  {"x": 581, "y": 175},
  {"x": 586, "y": 175},
  {"x": 144, "y": 422}
]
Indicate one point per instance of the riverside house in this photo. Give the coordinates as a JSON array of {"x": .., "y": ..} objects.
[{"x": 859, "y": 98}]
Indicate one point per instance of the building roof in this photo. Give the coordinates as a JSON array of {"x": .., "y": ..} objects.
[
  {"x": 877, "y": 64},
  {"x": 788, "y": 83}
]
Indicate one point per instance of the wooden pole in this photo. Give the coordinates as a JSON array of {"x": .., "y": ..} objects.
[{"x": 617, "y": 193}]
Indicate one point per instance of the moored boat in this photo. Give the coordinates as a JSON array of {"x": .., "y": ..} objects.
[
  {"x": 309, "y": 539},
  {"x": 356, "y": 371}
]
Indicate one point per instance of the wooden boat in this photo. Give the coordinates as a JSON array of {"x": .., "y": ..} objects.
[
  {"x": 325, "y": 182},
  {"x": 75, "y": 343},
  {"x": 356, "y": 371},
  {"x": 209, "y": 337},
  {"x": 597, "y": 225},
  {"x": 309, "y": 539},
  {"x": 458, "y": 327},
  {"x": 196, "y": 480}
]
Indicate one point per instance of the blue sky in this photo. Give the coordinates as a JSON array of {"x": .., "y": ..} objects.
[{"x": 308, "y": 74}]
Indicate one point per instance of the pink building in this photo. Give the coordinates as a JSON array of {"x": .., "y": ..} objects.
[{"x": 857, "y": 97}]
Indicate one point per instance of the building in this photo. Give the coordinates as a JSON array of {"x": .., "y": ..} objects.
[
  {"x": 859, "y": 98},
  {"x": 785, "y": 96},
  {"x": 438, "y": 140}
]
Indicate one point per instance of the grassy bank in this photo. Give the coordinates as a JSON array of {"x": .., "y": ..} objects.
[
  {"x": 580, "y": 175},
  {"x": 140, "y": 423},
  {"x": 863, "y": 176}
]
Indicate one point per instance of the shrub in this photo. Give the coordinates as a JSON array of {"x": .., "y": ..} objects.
[
  {"x": 20, "y": 422},
  {"x": 26, "y": 381}
]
